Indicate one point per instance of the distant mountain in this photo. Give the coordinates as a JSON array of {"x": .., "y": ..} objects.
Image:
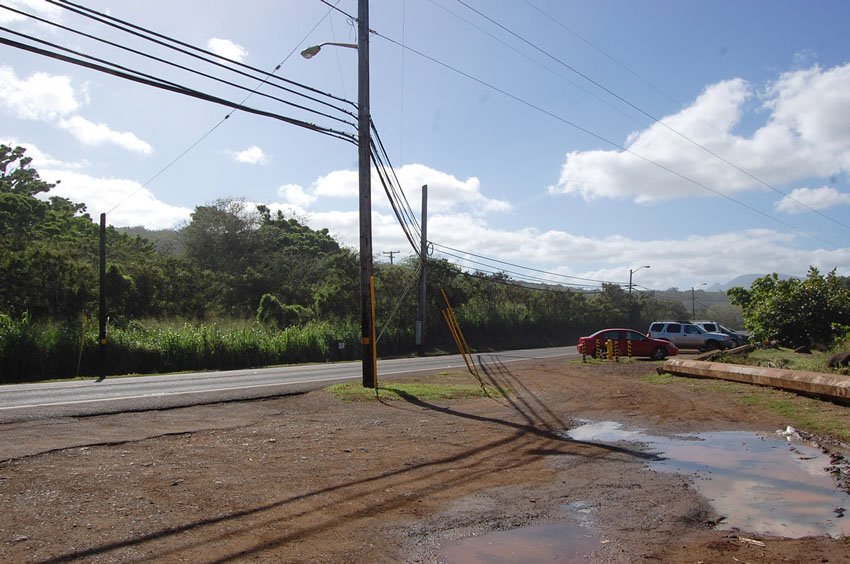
[{"x": 745, "y": 281}]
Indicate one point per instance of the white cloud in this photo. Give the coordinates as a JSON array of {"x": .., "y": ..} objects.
[
  {"x": 136, "y": 205},
  {"x": 251, "y": 155},
  {"x": 41, "y": 97},
  {"x": 445, "y": 192},
  {"x": 227, "y": 48},
  {"x": 38, "y": 7},
  {"x": 807, "y": 134},
  {"x": 338, "y": 184},
  {"x": 294, "y": 195},
  {"x": 40, "y": 159},
  {"x": 99, "y": 133},
  {"x": 812, "y": 198}
]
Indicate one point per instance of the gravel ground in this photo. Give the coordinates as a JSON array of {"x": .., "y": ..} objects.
[{"x": 311, "y": 478}]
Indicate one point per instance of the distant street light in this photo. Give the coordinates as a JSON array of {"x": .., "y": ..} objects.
[
  {"x": 367, "y": 318},
  {"x": 631, "y": 308},
  {"x": 694, "y": 300}
]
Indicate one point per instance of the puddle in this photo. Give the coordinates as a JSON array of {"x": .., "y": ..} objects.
[
  {"x": 530, "y": 545},
  {"x": 760, "y": 484}
]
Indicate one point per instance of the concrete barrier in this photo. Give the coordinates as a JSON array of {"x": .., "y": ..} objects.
[{"x": 832, "y": 386}]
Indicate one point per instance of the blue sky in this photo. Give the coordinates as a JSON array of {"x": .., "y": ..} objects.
[{"x": 712, "y": 139}]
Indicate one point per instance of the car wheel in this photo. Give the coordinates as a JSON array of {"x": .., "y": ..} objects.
[
  {"x": 710, "y": 345},
  {"x": 659, "y": 353}
]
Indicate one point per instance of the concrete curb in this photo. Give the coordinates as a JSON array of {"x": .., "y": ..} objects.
[{"x": 833, "y": 386}]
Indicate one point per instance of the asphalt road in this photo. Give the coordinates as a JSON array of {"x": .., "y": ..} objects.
[{"x": 21, "y": 402}]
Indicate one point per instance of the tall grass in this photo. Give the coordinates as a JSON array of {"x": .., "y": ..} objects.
[{"x": 31, "y": 352}]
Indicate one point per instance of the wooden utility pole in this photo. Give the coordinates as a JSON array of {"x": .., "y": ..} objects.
[
  {"x": 391, "y": 254},
  {"x": 423, "y": 262},
  {"x": 101, "y": 337},
  {"x": 367, "y": 319}
]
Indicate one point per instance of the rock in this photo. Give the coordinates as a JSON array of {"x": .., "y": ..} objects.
[
  {"x": 840, "y": 359},
  {"x": 803, "y": 350}
]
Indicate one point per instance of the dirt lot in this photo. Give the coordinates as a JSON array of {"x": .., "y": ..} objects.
[{"x": 311, "y": 478}]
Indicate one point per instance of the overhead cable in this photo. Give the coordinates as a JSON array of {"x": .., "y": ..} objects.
[
  {"x": 162, "y": 40},
  {"x": 649, "y": 115},
  {"x": 173, "y": 87},
  {"x": 603, "y": 139},
  {"x": 525, "y": 267},
  {"x": 176, "y": 65}
]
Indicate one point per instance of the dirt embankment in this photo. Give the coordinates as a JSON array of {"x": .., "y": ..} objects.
[{"x": 310, "y": 478}]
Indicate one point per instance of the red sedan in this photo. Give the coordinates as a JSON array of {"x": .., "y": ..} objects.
[{"x": 641, "y": 345}]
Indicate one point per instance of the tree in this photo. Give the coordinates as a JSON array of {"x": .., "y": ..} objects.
[{"x": 810, "y": 312}]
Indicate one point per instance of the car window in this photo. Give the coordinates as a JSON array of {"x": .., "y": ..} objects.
[
  {"x": 709, "y": 327},
  {"x": 635, "y": 337},
  {"x": 674, "y": 328},
  {"x": 657, "y": 327},
  {"x": 693, "y": 330},
  {"x": 613, "y": 335}
]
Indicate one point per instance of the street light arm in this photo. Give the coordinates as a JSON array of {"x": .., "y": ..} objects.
[{"x": 311, "y": 52}]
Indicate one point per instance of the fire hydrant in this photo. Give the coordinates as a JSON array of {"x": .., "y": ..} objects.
[{"x": 609, "y": 344}]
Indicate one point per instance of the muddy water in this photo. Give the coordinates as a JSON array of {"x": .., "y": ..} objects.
[
  {"x": 772, "y": 485},
  {"x": 529, "y": 545}
]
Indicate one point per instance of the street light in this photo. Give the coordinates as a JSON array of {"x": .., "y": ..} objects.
[
  {"x": 694, "y": 300},
  {"x": 367, "y": 321},
  {"x": 311, "y": 52},
  {"x": 631, "y": 272}
]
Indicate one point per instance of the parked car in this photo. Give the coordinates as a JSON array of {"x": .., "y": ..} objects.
[
  {"x": 714, "y": 327},
  {"x": 689, "y": 336},
  {"x": 641, "y": 345}
]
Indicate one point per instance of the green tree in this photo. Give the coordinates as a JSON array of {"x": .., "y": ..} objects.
[{"x": 795, "y": 312}]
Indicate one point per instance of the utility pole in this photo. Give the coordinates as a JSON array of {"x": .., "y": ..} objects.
[
  {"x": 631, "y": 306},
  {"x": 101, "y": 313},
  {"x": 367, "y": 320},
  {"x": 391, "y": 254},
  {"x": 423, "y": 262}
]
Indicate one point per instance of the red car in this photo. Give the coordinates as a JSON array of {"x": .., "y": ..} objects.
[{"x": 641, "y": 345}]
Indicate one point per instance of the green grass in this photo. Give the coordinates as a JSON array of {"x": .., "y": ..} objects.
[
  {"x": 782, "y": 358},
  {"x": 417, "y": 390},
  {"x": 809, "y": 414}
]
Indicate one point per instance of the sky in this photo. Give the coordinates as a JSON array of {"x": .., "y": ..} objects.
[{"x": 574, "y": 141}]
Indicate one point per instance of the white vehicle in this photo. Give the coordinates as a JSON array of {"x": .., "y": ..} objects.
[
  {"x": 714, "y": 327},
  {"x": 689, "y": 336}
]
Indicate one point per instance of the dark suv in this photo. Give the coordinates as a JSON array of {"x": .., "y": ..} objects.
[{"x": 689, "y": 336}]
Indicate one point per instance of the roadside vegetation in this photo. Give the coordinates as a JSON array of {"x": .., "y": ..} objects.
[
  {"x": 816, "y": 416},
  {"x": 240, "y": 286}
]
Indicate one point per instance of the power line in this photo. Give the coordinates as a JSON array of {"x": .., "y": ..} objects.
[
  {"x": 161, "y": 39},
  {"x": 176, "y": 65},
  {"x": 173, "y": 87},
  {"x": 553, "y": 289},
  {"x": 647, "y": 114},
  {"x": 601, "y": 138},
  {"x": 525, "y": 267},
  {"x": 665, "y": 94},
  {"x": 521, "y": 276}
]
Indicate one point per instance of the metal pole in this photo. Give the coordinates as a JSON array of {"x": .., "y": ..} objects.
[
  {"x": 364, "y": 167},
  {"x": 423, "y": 252},
  {"x": 693, "y": 304},
  {"x": 630, "y": 296}
]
